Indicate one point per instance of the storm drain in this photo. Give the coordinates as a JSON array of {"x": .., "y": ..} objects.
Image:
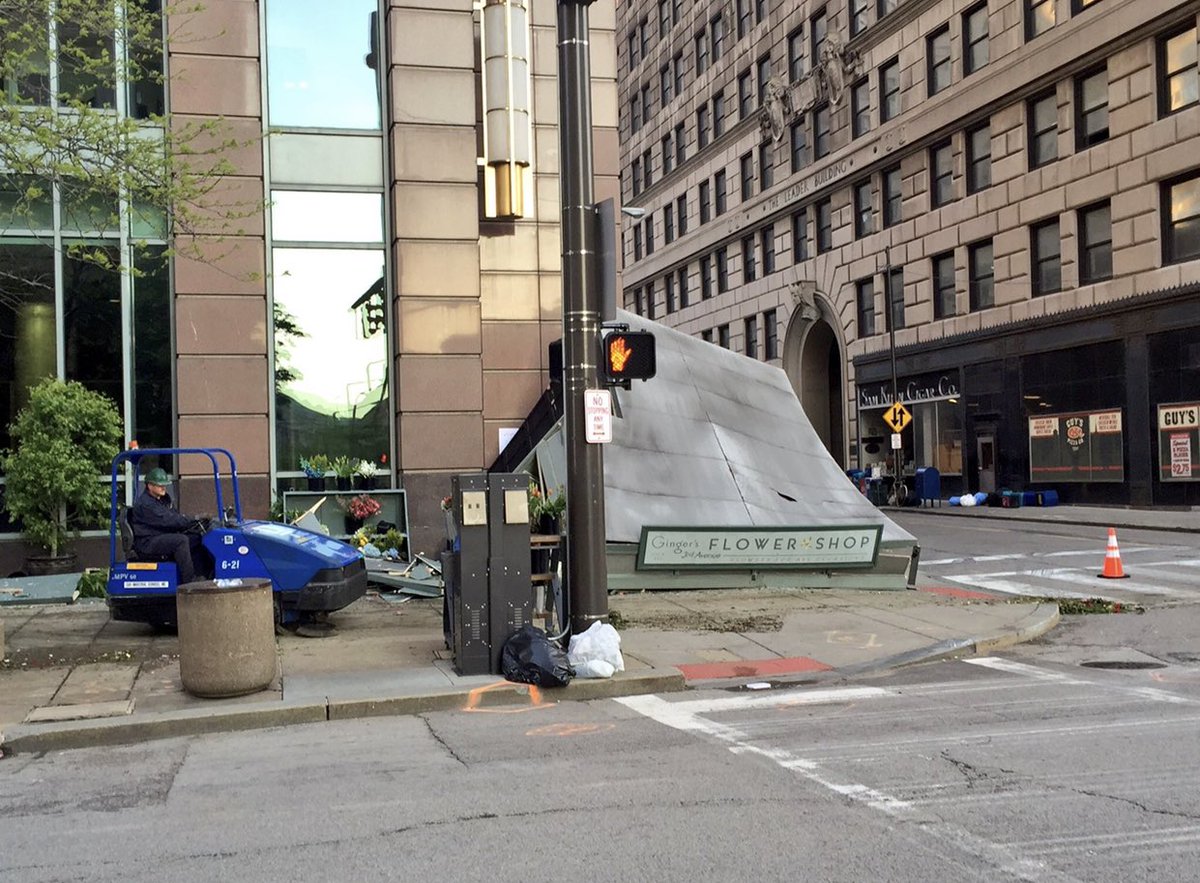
[{"x": 1123, "y": 664}]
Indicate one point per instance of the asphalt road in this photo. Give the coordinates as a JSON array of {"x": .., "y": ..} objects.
[
  {"x": 1012, "y": 768},
  {"x": 1033, "y": 765},
  {"x": 1055, "y": 560}
]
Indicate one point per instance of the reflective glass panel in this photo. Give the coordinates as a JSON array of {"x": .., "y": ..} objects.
[
  {"x": 151, "y": 349},
  {"x": 311, "y": 216},
  {"x": 1183, "y": 85},
  {"x": 92, "y": 318},
  {"x": 1184, "y": 241},
  {"x": 25, "y": 203},
  {"x": 86, "y": 211},
  {"x": 317, "y": 64},
  {"x": 27, "y": 328},
  {"x": 331, "y": 354},
  {"x": 86, "y": 70},
  {"x": 27, "y": 77}
]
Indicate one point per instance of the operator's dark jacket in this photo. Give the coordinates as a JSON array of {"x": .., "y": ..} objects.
[{"x": 152, "y": 517}]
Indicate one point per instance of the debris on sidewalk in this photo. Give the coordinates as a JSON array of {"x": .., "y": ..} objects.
[
  {"x": 421, "y": 577},
  {"x": 1073, "y": 606},
  {"x": 597, "y": 652},
  {"x": 530, "y": 657},
  {"x": 56, "y": 589}
]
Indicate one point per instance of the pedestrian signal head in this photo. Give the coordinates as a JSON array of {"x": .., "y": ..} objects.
[{"x": 629, "y": 355}]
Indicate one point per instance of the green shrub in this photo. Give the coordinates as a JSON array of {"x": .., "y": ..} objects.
[
  {"x": 93, "y": 582},
  {"x": 63, "y": 440}
]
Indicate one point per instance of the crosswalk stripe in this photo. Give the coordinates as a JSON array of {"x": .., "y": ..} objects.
[
  {"x": 1042, "y": 674},
  {"x": 1177, "y": 578},
  {"x": 1010, "y": 863},
  {"x": 1024, "y": 556}
]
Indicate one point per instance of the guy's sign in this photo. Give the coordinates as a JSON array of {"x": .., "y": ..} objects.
[
  {"x": 1179, "y": 442},
  {"x": 759, "y": 548}
]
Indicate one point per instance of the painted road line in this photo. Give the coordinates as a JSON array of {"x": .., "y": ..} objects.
[
  {"x": 678, "y": 716},
  {"x": 1040, "y": 674},
  {"x": 1000, "y": 583},
  {"x": 1088, "y": 577},
  {"x": 777, "y": 698},
  {"x": 1003, "y": 581},
  {"x": 1125, "y": 550}
]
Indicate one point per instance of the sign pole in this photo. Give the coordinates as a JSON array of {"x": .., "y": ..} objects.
[
  {"x": 898, "y": 453},
  {"x": 587, "y": 567}
]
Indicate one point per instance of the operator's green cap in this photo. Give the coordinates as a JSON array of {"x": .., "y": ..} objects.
[{"x": 158, "y": 476}]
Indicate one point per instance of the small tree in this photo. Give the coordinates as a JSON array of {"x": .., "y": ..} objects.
[
  {"x": 65, "y": 133},
  {"x": 64, "y": 439}
]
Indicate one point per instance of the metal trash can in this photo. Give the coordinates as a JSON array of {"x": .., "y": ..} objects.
[{"x": 226, "y": 637}]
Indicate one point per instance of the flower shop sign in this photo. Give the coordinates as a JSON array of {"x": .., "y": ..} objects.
[{"x": 739, "y": 548}]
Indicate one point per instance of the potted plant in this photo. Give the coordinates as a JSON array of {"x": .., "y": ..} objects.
[
  {"x": 343, "y": 470},
  {"x": 315, "y": 468},
  {"x": 63, "y": 442},
  {"x": 546, "y": 510},
  {"x": 366, "y": 472},
  {"x": 358, "y": 510}
]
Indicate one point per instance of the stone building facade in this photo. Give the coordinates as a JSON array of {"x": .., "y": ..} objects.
[
  {"x": 384, "y": 306},
  {"x": 1012, "y": 187}
]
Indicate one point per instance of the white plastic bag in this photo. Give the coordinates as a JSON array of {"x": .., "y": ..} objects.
[
  {"x": 600, "y": 643},
  {"x": 594, "y": 668}
]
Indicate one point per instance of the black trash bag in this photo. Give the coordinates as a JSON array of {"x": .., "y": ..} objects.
[{"x": 529, "y": 657}]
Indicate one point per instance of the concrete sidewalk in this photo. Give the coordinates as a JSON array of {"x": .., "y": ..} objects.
[{"x": 73, "y": 678}]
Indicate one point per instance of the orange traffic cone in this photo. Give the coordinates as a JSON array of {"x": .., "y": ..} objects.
[{"x": 1112, "y": 558}]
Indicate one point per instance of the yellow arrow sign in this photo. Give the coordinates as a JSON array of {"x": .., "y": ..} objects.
[{"x": 897, "y": 417}]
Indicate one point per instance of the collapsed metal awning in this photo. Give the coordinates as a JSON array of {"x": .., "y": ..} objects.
[{"x": 714, "y": 439}]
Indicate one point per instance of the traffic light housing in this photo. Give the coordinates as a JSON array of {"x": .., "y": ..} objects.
[{"x": 629, "y": 355}]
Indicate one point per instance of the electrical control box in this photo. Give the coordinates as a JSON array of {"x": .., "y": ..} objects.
[{"x": 489, "y": 596}]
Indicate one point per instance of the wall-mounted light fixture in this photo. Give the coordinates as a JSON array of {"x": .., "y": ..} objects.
[{"x": 507, "y": 129}]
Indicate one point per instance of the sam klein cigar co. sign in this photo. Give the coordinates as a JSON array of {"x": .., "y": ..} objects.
[{"x": 762, "y": 548}]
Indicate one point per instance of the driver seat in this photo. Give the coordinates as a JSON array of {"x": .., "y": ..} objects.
[{"x": 127, "y": 539}]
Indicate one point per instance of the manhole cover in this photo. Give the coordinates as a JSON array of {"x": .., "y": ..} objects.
[{"x": 1122, "y": 664}]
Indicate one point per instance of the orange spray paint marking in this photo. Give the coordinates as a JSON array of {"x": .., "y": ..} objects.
[{"x": 535, "y": 699}]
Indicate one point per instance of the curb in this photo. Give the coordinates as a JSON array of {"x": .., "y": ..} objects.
[
  {"x": 35, "y": 738},
  {"x": 1047, "y": 617},
  {"x": 1050, "y": 617}
]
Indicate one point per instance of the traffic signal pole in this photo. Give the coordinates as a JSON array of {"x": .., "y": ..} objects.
[{"x": 587, "y": 569}]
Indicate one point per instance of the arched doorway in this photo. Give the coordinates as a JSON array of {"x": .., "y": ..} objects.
[{"x": 813, "y": 360}]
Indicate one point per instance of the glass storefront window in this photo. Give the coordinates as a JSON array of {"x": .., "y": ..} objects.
[
  {"x": 934, "y": 438},
  {"x": 318, "y": 75},
  {"x": 92, "y": 319},
  {"x": 937, "y": 435},
  {"x": 312, "y": 216},
  {"x": 152, "y": 418},
  {"x": 27, "y": 324},
  {"x": 331, "y": 354}
]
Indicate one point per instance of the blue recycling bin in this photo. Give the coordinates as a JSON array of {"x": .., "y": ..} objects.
[{"x": 928, "y": 485}]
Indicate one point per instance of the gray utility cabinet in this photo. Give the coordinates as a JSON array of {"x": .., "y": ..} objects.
[{"x": 489, "y": 596}]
